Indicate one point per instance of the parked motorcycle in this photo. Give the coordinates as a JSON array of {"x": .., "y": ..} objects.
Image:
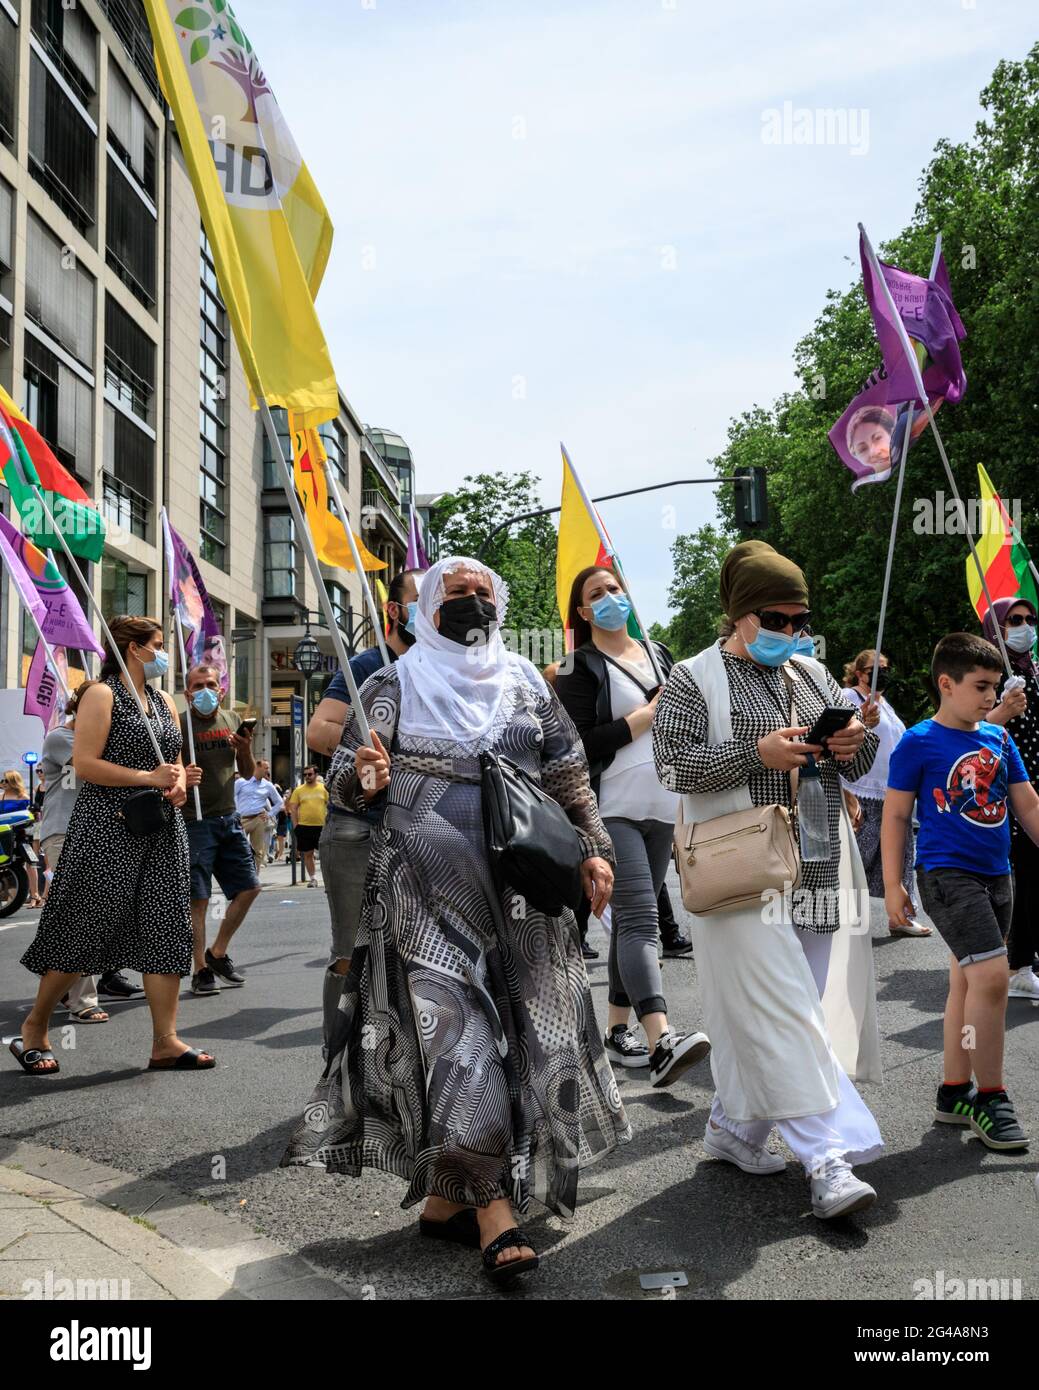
[{"x": 15, "y": 855}]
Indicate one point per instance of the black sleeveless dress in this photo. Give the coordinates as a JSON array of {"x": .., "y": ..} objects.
[{"x": 119, "y": 902}]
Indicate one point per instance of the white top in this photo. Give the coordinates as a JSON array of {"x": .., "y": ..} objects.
[
  {"x": 629, "y": 787},
  {"x": 254, "y": 795},
  {"x": 873, "y": 785}
]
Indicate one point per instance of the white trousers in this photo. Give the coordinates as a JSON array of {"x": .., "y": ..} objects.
[{"x": 848, "y": 1131}]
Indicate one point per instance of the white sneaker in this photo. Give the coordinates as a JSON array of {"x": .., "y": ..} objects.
[
  {"x": 723, "y": 1144},
  {"x": 838, "y": 1192},
  {"x": 1024, "y": 984}
]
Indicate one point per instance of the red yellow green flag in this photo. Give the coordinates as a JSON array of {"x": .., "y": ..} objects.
[
  {"x": 583, "y": 540},
  {"x": 308, "y": 458},
  {"x": 1003, "y": 555}
]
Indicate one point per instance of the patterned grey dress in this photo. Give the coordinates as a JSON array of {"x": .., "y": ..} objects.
[{"x": 466, "y": 1056}]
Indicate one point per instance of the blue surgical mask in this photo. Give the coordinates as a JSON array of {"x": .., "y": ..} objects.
[
  {"x": 805, "y": 645},
  {"x": 205, "y": 701},
  {"x": 611, "y": 612},
  {"x": 1021, "y": 638},
  {"x": 772, "y": 648},
  {"x": 409, "y": 626},
  {"x": 158, "y": 666}
]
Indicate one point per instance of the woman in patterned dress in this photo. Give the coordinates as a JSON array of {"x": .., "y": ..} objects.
[
  {"x": 116, "y": 899},
  {"x": 466, "y": 1057},
  {"x": 724, "y": 737}
]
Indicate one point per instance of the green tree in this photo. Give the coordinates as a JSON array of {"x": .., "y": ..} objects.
[
  {"x": 694, "y": 591},
  {"x": 524, "y": 555}
]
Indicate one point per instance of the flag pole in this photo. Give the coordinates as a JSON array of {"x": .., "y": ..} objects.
[
  {"x": 914, "y": 367},
  {"x": 891, "y": 554},
  {"x": 95, "y": 609},
  {"x": 167, "y": 551},
  {"x": 315, "y": 569},
  {"x": 608, "y": 547},
  {"x": 48, "y": 649},
  {"x": 344, "y": 517}
]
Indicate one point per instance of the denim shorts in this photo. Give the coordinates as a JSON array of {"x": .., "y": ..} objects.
[
  {"x": 971, "y": 911},
  {"x": 220, "y": 849}
]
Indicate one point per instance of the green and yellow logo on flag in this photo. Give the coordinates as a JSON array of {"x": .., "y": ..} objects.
[{"x": 267, "y": 225}]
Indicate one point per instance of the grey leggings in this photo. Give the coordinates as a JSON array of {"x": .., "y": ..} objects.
[{"x": 642, "y": 849}]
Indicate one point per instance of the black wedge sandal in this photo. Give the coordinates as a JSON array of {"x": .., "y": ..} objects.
[
  {"x": 462, "y": 1228},
  {"x": 505, "y": 1275}
]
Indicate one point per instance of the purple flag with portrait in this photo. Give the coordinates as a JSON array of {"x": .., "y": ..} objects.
[
  {"x": 203, "y": 640},
  {"x": 44, "y": 695},
  {"x": 416, "y": 558}
]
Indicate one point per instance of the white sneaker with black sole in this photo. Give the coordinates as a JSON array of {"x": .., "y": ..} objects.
[
  {"x": 723, "y": 1144},
  {"x": 1024, "y": 984},
  {"x": 836, "y": 1191},
  {"x": 676, "y": 1053},
  {"x": 624, "y": 1048}
]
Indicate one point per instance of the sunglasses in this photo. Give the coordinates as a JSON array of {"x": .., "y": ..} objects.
[
  {"x": 1016, "y": 619},
  {"x": 773, "y": 621}
]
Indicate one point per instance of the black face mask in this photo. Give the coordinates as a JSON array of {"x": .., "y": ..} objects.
[
  {"x": 467, "y": 620},
  {"x": 881, "y": 679},
  {"x": 401, "y": 629}
]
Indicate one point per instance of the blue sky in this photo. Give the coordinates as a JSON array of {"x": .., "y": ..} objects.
[{"x": 564, "y": 221}]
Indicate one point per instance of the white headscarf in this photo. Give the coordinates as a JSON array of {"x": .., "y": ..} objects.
[{"x": 458, "y": 698}]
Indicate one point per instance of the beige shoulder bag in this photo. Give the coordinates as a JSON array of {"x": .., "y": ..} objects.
[{"x": 730, "y": 861}]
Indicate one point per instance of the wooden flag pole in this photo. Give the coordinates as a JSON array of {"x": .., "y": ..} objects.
[
  {"x": 918, "y": 380},
  {"x": 344, "y": 517},
  {"x": 315, "y": 569}
]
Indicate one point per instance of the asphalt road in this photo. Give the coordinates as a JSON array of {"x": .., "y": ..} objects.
[{"x": 945, "y": 1203}]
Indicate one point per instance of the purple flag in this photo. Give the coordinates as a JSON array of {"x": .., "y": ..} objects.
[
  {"x": 20, "y": 576},
  {"x": 203, "y": 640},
  {"x": 416, "y": 558},
  {"x": 930, "y": 318},
  {"x": 870, "y": 435},
  {"x": 44, "y": 696},
  {"x": 62, "y": 619}
]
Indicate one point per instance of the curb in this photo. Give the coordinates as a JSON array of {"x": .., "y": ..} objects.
[{"x": 213, "y": 1255}]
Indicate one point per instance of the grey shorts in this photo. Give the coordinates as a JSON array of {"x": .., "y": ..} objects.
[
  {"x": 971, "y": 911},
  {"x": 345, "y": 841}
]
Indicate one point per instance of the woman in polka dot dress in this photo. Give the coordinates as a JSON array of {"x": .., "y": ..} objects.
[
  {"x": 119, "y": 900},
  {"x": 1019, "y": 712}
]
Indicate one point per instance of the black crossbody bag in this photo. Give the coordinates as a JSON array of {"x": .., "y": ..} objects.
[
  {"x": 530, "y": 840},
  {"x": 143, "y": 812}
]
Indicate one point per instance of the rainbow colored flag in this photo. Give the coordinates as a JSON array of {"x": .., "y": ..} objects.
[
  {"x": 26, "y": 461},
  {"x": 1004, "y": 556}
]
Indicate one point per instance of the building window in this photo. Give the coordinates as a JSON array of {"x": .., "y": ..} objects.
[
  {"x": 6, "y": 257},
  {"x": 131, "y": 230},
  {"x": 128, "y": 19},
  {"x": 8, "y": 95},
  {"x": 246, "y": 673},
  {"x": 70, "y": 42},
  {"x": 279, "y": 555},
  {"x": 129, "y": 462},
  {"x": 60, "y": 405},
  {"x": 129, "y": 362},
  {"x": 123, "y": 590},
  {"x": 340, "y": 602},
  {"x": 212, "y": 413},
  {"x": 59, "y": 294},
  {"x": 131, "y": 133},
  {"x": 62, "y": 146},
  {"x": 272, "y": 472}
]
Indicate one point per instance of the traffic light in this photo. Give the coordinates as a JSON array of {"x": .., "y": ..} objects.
[{"x": 751, "y": 498}]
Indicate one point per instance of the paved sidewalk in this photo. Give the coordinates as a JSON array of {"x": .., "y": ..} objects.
[{"x": 74, "y": 1229}]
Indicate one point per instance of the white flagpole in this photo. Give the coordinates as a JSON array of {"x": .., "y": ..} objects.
[
  {"x": 87, "y": 654},
  {"x": 914, "y": 366},
  {"x": 315, "y": 569},
  {"x": 96, "y": 611},
  {"x": 179, "y": 626},
  {"x": 607, "y": 546},
  {"x": 891, "y": 554},
  {"x": 344, "y": 517}
]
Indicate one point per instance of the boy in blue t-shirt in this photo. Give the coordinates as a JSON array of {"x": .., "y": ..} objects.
[{"x": 961, "y": 772}]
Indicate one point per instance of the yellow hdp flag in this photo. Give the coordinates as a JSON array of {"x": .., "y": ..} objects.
[
  {"x": 267, "y": 225},
  {"x": 579, "y": 543},
  {"x": 308, "y": 457}
]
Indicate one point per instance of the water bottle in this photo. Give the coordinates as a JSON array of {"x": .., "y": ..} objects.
[{"x": 813, "y": 822}]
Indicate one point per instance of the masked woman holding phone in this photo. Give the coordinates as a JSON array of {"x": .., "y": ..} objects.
[
  {"x": 611, "y": 693},
  {"x": 727, "y": 736},
  {"x": 119, "y": 896},
  {"x": 464, "y": 1057}
]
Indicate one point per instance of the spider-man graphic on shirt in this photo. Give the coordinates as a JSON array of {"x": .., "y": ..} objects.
[{"x": 976, "y": 788}]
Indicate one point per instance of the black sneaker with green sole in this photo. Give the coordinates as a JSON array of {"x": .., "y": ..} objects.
[
  {"x": 994, "y": 1122},
  {"x": 954, "y": 1107}
]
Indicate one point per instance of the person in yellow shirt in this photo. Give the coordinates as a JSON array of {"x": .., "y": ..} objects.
[{"x": 307, "y": 808}]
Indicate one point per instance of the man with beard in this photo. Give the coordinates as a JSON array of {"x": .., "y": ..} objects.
[{"x": 344, "y": 843}]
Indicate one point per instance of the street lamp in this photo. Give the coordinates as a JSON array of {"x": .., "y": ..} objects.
[{"x": 307, "y": 656}]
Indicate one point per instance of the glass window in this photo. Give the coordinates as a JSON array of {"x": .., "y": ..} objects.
[
  {"x": 123, "y": 590},
  {"x": 8, "y": 95},
  {"x": 129, "y": 361},
  {"x": 129, "y": 460},
  {"x": 130, "y": 130},
  {"x": 128, "y": 19},
  {"x": 6, "y": 224},
  {"x": 130, "y": 235},
  {"x": 279, "y": 555},
  {"x": 62, "y": 148},
  {"x": 61, "y": 406},
  {"x": 70, "y": 41},
  {"x": 59, "y": 293}
]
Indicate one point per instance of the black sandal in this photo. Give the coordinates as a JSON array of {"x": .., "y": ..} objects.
[
  {"x": 191, "y": 1060},
  {"x": 462, "y": 1228},
  {"x": 30, "y": 1061},
  {"x": 503, "y": 1276}
]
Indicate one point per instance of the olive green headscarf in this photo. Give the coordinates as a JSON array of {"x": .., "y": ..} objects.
[{"x": 754, "y": 575}]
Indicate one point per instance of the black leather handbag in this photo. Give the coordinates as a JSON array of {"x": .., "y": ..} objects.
[
  {"x": 144, "y": 813},
  {"x": 531, "y": 843}
]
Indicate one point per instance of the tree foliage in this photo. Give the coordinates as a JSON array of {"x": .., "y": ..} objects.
[{"x": 983, "y": 196}]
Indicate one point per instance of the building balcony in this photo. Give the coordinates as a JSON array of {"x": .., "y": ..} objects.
[
  {"x": 371, "y": 458},
  {"x": 380, "y": 519}
]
